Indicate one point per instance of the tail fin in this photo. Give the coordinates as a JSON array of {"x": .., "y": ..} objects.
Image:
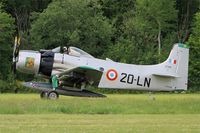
[
  {"x": 176, "y": 67},
  {"x": 177, "y": 64}
]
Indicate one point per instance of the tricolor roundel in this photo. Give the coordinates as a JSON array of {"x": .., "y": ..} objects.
[{"x": 111, "y": 74}]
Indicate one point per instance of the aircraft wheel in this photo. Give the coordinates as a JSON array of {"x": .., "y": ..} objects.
[
  {"x": 53, "y": 95},
  {"x": 44, "y": 95}
]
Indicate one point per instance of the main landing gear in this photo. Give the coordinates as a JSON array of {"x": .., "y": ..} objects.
[{"x": 52, "y": 95}]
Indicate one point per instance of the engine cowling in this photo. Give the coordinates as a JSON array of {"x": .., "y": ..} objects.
[{"x": 28, "y": 62}]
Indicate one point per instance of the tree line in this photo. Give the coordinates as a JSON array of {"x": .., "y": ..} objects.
[{"x": 129, "y": 31}]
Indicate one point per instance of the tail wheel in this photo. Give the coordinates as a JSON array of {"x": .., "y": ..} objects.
[{"x": 53, "y": 95}]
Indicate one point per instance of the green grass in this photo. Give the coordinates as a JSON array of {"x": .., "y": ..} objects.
[
  {"x": 113, "y": 104},
  {"x": 134, "y": 113},
  {"x": 52, "y": 123}
]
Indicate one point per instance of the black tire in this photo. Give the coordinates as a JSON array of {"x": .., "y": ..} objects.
[
  {"x": 44, "y": 95},
  {"x": 53, "y": 95}
]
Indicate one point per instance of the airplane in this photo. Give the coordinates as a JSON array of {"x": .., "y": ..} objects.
[{"x": 77, "y": 70}]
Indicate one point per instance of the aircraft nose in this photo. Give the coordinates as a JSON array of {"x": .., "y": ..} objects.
[{"x": 28, "y": 62}]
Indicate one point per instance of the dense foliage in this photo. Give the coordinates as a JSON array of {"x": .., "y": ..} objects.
[
  {"x": 6, "y": 39},
  {"x": 130, "y": 31},
  {"x": 144, "y": 30},
  {"x": 194, "y": 41},
  {"x": 72, "y": 23}
]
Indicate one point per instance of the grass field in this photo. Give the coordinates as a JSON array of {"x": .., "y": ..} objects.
[
  {"x": 100, "y": 123},
  {"x": 116, "y": 113}
]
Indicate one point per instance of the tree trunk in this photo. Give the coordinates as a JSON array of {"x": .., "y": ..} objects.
[{"x": 159, "y": 41}]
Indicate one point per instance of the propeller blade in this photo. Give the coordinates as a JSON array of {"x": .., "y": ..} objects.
[
  {"x": 16, "y": 48},
  {"x": 16, "y": 52}
]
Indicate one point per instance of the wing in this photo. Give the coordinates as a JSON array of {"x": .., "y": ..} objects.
[
  {"x": 48, "y": 86},
  {"x": 89, "y": 74}
]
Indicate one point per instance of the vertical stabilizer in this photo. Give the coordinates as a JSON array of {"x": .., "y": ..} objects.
[{"x": 177, "y": 64}]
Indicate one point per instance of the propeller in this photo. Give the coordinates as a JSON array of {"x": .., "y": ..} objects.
[{"x": 16, "y": 53}]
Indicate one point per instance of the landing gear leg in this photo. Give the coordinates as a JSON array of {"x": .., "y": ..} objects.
[{"x": 83, "y": 86}]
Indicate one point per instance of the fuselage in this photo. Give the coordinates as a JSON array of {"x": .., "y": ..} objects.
[
  {"x": 126, "y": 76},
  {"x": 167, "y": 76}
]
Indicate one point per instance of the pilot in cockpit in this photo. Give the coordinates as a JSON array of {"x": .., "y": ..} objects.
[
  {"x": 73, "y": 51},
  {"x": 66, "y": 50}
]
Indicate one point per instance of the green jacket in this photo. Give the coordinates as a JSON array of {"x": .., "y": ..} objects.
[{"x": 54, "y": 81}]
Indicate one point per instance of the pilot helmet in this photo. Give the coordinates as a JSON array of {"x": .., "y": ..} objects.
[{"x": 65, "y": 49}]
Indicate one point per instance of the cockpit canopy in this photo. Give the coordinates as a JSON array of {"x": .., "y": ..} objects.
[
  {"x": 73, "y": 51},
  {"x": 78, "y": 52}
]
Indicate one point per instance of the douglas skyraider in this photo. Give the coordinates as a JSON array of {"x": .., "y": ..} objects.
[{"x": 73, "y": 71}]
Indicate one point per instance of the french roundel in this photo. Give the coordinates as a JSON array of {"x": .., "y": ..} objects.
[{"x": 111, "y": 74}]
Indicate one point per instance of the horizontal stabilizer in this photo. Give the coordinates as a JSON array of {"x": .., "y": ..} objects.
[{"x": 167, "y": 75}]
